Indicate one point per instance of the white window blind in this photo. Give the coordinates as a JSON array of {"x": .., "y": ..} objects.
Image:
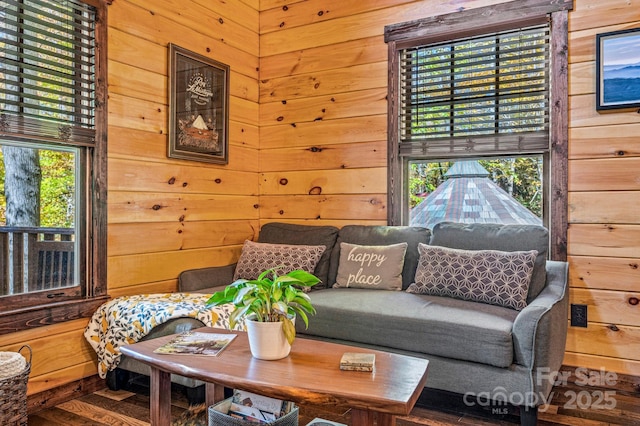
[
  {"x": 47, "y": 77},
  {"x": 476, "y": 96}
]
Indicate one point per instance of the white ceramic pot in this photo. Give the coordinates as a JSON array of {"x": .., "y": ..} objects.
[{"x": 267, "y": 340}]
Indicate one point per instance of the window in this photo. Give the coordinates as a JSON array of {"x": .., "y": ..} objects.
[
  {"x": 478, "y": 118},
  {"x": 52, "y": 168}
]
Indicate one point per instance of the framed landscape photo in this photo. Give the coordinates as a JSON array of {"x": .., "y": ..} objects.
[
  {"x": 618, "y": 69},
  {"x": 198, "y": 107}
]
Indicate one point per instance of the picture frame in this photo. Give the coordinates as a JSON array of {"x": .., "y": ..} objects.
[
  {"x": 618, "y": 69},
  {"x": 198, "y": 107}
]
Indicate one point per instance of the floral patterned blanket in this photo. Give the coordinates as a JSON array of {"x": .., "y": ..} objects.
[{"x": 128, "y": 319}]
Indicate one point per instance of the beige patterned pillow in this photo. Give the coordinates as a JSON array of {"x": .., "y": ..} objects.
[
  {"x": 374, "y": 267},
  {"x": 486, "y": 276},
  {"x": 258, "y": 257}
]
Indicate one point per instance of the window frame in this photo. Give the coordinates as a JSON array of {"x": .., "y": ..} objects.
[
  {"x": 65, "y": 306},
  {"x": 472, "y": 22}
]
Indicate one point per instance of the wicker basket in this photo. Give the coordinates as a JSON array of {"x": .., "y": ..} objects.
[
  {"x": 13, "y": 387},
  {"x": 218, "y": 416}
]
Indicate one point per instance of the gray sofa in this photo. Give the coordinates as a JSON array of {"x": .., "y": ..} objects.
[{"x": 482, "y": 351}]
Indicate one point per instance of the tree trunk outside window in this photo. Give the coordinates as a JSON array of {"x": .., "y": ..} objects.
[{"x": 22, "y": 186}]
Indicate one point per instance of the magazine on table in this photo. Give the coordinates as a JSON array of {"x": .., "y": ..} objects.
[{"x": 196, "y": 343}]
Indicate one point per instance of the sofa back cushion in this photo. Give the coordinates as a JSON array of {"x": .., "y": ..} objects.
[
  {"x": 491, "y": 236},
  {"x": 290, "y": 233},
  {"x": 374, "y": 235}
]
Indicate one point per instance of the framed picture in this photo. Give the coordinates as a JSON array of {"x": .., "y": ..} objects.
[
  {"x": 618, "y": 69},
  {"x": 198, "y": 107}
]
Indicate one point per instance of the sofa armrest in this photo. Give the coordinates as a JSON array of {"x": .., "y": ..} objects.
[
  {"x": 206, "y": 280},
  {"x": 540, "y": 329}
]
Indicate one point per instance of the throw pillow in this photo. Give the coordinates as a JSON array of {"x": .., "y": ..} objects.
[
  {"x": 258, "y": 257},
  {"x": 374, "y": 267},
  {"x": 486, "y": 276}
]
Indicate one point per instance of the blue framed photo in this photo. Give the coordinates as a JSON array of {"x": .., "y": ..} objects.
[{"x": 618, "y": 69}]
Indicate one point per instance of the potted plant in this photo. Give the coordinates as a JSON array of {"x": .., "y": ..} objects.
[{"x": 271, "y": 302}]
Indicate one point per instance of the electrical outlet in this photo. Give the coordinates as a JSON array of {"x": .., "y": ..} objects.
[{"x": 578, "y": 315}]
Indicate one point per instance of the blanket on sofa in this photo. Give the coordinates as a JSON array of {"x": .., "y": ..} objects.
[{"x": 128, "y": 319}]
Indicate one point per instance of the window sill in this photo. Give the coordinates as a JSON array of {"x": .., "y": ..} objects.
[{"x": 53, "y": 313}]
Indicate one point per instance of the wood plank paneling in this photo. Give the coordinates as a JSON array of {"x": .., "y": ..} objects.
[
  {"x": 322, "y": 58},
  {"x": 597, "y": 13},
  {"x": 361, "y": 206},
  {"x": 598, "y": 272},
  {"x": 162, "y": 30},
  {"x": 596, "y": 142},
  {"x": 146, "y": 146},
  {"x": 325, "y": 157},
  {"x": 604, "y": 206},
  {"x": 611, "y": 307},
  {"x": 354, "y": 27},
  {"x": 322, "y": 133},
  {"x": 596, "y": 362},
  {"x": 331, "y": 107},
  {"x": 190, "y": 178},
  {"x": 229, "y": 23},
  {"x": 359, "y": 77},
  {"x": 173, "y": 236},
  {"x": 608, "y": 340},
  {"x": 604, "y": 240},
  {"x": 275, "y": 17},
  {"x": 345, "y": 181},
  {"x": 618, "y": 174},
  {"x": 149, "y": 267},
  {"x": 141, "y": 207}
]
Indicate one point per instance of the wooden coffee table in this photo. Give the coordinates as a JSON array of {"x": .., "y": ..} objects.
[{"x": 309, "y": 375}]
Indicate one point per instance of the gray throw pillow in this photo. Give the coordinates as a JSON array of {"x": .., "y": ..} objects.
[
  {"x": 258, "y": 257},
  {"x": 486, "y": 276},
  {"x": 373, "y": 267},
  {"x": 495, "y": 236}
]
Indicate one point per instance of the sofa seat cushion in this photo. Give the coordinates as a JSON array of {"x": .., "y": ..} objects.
[{"x": 442, "y": 326}]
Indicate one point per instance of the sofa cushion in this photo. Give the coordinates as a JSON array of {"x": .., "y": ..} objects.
[
  {"x": 486, "y": 276},
  {"x": 258, "y": 257},
  {"x": 490, "y": 236},
  {"x": 374, "y": 267},
  {"x": 290, "y": 233},
  {"x": 372, "y": 235},
  {"x": 424, "y": 324}
]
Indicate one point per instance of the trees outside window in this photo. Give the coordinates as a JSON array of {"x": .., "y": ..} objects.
[{"x": 53, "y": 161}]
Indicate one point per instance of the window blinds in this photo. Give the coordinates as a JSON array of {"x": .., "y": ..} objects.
[
  {"x": 478, "y": 96},
  {"x": 47, "y": 71}
]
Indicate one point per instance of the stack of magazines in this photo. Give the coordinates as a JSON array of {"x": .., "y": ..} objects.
[{"x": 256, "y": 408}]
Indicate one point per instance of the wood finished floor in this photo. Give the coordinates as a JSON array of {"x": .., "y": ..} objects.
[{"x": 573, "y": 404}]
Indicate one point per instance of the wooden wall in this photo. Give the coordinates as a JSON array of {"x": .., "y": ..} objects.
[
  {"x": 323, "y": 71},
  {"x": 604, "y": 201},
  {"x": 308, "y": 144}
]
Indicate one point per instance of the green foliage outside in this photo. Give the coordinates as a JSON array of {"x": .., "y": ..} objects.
[
  {"x": 520, "y": 177},
  {"x": 57, "y": 191}
]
